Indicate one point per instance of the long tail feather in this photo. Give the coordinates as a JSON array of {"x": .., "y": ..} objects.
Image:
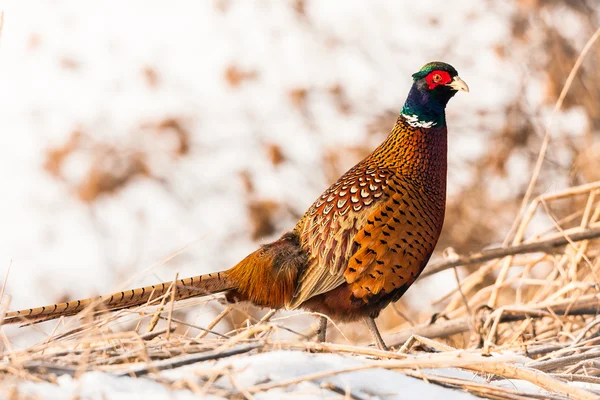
[{"x": 201, "y": 285}]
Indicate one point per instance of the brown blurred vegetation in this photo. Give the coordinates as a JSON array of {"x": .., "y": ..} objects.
[{"x": 111, "y": 166}]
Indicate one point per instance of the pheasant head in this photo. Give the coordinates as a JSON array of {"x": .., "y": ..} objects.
[{"x": 433, "y": 86}]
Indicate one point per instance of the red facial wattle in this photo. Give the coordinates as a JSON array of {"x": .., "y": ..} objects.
[{"x": 436, "y": 78}]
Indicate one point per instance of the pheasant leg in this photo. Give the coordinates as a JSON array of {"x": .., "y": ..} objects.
[
  {"x": 375, "y": 333},
  {"x": 322, "y": 331}
]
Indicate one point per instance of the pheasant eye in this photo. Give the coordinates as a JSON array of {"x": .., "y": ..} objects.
[{"x": 436, "y": 78}]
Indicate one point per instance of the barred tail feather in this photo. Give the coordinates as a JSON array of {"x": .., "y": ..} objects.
[{"x": 201, "y": 285}]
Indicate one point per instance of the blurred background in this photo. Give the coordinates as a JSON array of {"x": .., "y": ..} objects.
[{"x": 130, "y": 130}]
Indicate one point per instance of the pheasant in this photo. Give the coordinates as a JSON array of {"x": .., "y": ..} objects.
[{"x": 362, "y": 243}]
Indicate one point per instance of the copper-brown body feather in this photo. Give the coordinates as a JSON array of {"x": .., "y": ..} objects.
[
  {"x": 371, "y": 233},
  {"x": 268, "y": 276}
]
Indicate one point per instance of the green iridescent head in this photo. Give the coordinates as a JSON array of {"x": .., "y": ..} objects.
[
  {"x": 433, "y": 66},
  {"x": 433, "y": 86}
]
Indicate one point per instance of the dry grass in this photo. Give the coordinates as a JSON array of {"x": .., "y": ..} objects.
[
  {"x": 545, "y": 308},
  {"x": 537, "y": 297}
]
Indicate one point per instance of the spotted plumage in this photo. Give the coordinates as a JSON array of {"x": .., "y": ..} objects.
[
  {"x": 361, "y": 244},
  {"x": 375, "y": 228}
]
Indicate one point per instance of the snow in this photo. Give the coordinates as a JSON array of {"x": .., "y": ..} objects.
[
  {"x": 99, "y": 385},
  {"x": 273, "y": 366},
  {"x": 241, "y": 373}
]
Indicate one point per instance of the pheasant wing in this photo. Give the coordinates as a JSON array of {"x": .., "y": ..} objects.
[
  {"x": 395, "y": 243},
  {"x": 328, "y": 228}
]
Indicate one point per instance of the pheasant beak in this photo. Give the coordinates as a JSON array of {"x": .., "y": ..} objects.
[{"x": 458, "y": 84}]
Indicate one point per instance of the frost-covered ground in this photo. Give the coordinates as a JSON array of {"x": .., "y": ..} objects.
[
  {"x": 248, "y": 371},
  {"x": 279, "y": 366},
  {"x": 71, "y": 65}
]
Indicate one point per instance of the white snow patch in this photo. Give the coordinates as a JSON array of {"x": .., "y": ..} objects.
[{"x": 276, "y": 366}]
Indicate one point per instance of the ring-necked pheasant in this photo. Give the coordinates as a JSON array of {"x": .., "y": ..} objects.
[{"x": 358, "y": 247}]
